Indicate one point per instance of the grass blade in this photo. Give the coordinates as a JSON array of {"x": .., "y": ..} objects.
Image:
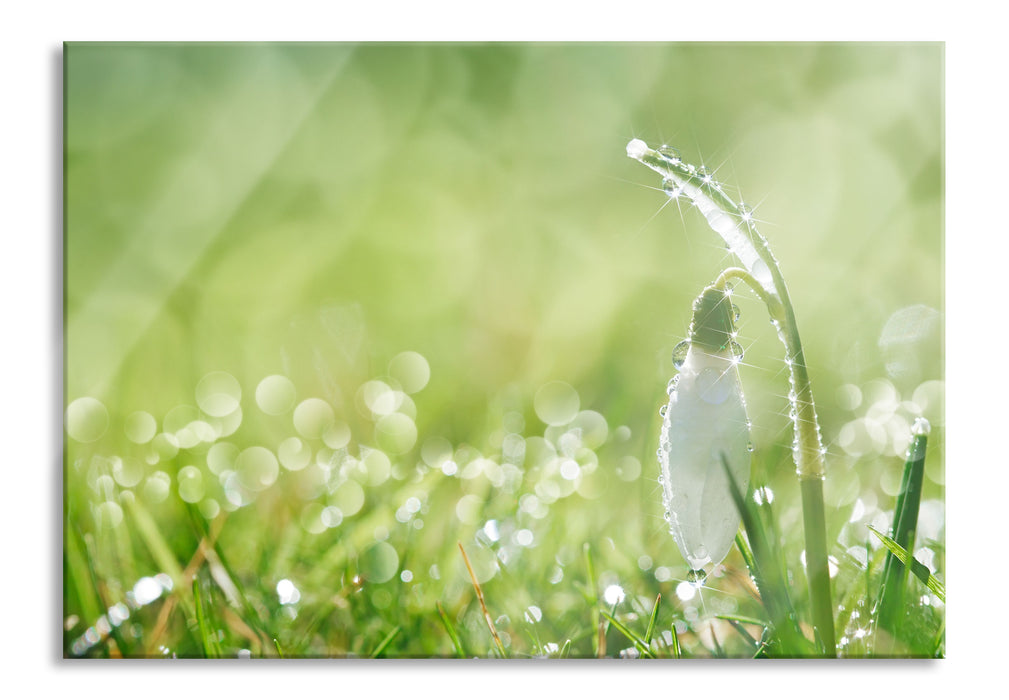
[
  {"x": 483, "y": 605},
  {"x": 637, "y": 641},
  {"x": 208, "y": 636},
  {"x": 652, "y": 619},
  {"x": 905, "y": 522},
  {"x": 385, "y": 642},
  {"x": 81, "y": 573},
  {"x": 592, "y": 595},
  {"x": 675, "y": 642},
  {"x": 736, "y": 625},
  {"x": 452, "y": 634},
  {"x": 919, "y": 570},
  {"x": 767, "y": 574}
]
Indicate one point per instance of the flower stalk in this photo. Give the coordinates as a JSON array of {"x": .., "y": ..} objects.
[{"x": 735, "y": 224}]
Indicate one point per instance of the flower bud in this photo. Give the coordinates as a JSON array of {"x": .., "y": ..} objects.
[{"x": 704, "y": 420}]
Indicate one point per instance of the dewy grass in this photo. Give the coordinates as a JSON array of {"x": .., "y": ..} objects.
[
  {"x": 905, "y": 522},
  {"x": 734, "y": 222}
]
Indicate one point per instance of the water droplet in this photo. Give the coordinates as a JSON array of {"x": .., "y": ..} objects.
[
  {"x": 669, "y": 153},
  {"x": 671, "y": 386},
  {"x": 737, "y": 350},
  {"x": 704, "y": 174},
  {"x": 668, "y": 516},
  {"x": 697, "y": 576},
  {"x": 680, "y": 353},
  {"x": 636, "y": 149},
  {"x": 745, "y": 212},
  {"x": 691, "y": 169},
  {"x": 671, "y": 188},
  {"x": 735, "y": 313},
  {"x": 662, "y": 410},
  {"x": 749, "y": 446},
  {"x": 921, "y": 426}
]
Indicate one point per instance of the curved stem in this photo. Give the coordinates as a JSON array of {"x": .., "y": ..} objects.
[{"x": 763, "y": 275}]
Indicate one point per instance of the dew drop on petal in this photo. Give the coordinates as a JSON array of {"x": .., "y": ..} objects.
[
  {"x": 697, "y": 576},
  {"x": 680, "y": 353},
  {"x": 921, "y": 426}
]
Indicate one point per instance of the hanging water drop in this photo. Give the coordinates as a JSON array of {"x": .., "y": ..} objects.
[
  {"x": 735, "y": 313},
  {"x": 680, "y": 353},
  {"x": 749, "y": 445},
  {"x": 697, "y": 576},
  {"x": 671, "y": 386},
  {"x": 737, "y": 350},
  {"x": 671, "y": 188},
  {"x": 668, "y": 516},
  {"x": 662, "y": 410}
]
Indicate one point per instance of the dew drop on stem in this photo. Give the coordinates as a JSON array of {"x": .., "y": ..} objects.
[{"x": 669, "y": 153}]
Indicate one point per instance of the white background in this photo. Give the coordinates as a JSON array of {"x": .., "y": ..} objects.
[{"x": 31, "y": 385}]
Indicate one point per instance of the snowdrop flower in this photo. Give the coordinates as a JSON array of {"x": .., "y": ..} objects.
[{"x": 704, "y": 420}]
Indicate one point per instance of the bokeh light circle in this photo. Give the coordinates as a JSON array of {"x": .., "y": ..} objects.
[
  {"x": 218, "y": 394},
  {"x": 275, "y": 395},
  {"x": 86, "y": 419},
  {"x": 556, "y": 403}
]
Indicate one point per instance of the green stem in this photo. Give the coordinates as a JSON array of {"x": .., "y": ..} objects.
[{"x": 746, "y": 242}]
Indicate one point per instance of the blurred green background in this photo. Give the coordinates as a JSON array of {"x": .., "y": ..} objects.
[{"x": 314, "y": 210}]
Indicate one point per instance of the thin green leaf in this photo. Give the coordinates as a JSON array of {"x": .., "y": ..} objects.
[
  {"x": 638, "y": 642},
  {"x": 652, "y": 620},
  {"x": 385, "y": 642},
  {"x": 767, "y": 574},
  {"x": 208, "y": 635},
  {"x": 905, "y": 522},
  {"x": 675, "y": 642},
  {"x": 919, "y": 570},
  {"x": 452, "y": 634}
]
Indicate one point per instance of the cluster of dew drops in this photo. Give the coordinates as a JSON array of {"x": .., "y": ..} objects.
[{"x": 745, "y": 213}]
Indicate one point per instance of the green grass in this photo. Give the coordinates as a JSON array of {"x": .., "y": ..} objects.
[{"x": 315, "y": 211}]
